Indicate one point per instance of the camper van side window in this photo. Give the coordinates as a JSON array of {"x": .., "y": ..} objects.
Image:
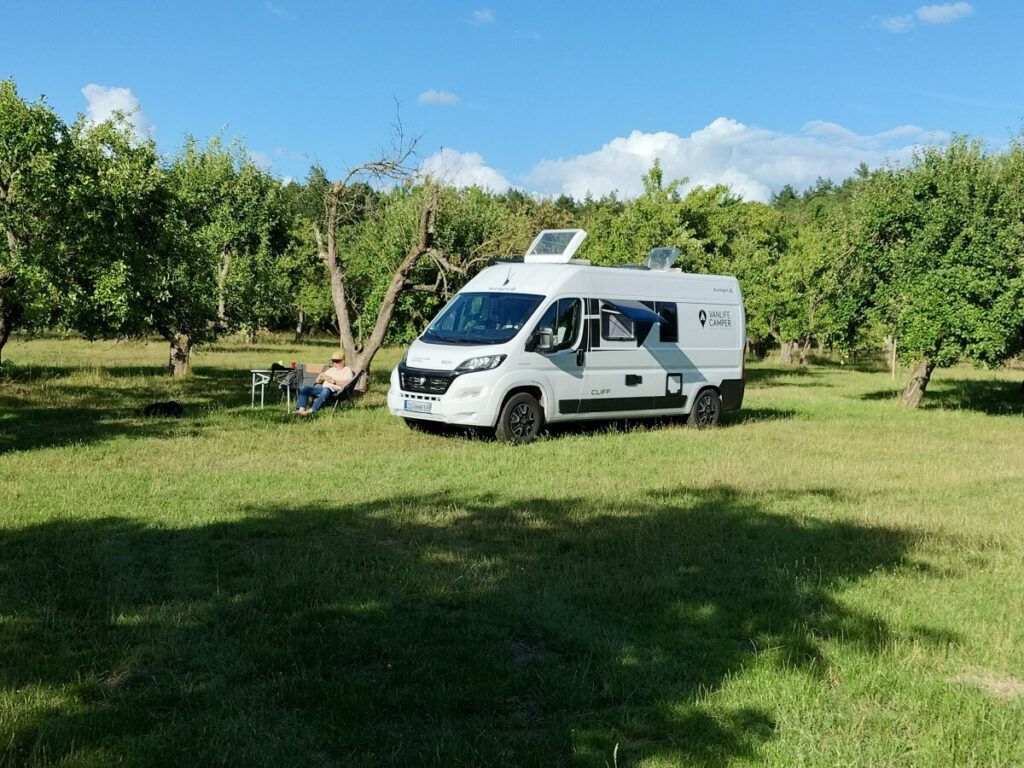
[
  {"x": 564, "y": 318},
  {"x": 669, "y": 320},
  {"x": 567, "y": 323},
  {"x": 616, "y": 327}
]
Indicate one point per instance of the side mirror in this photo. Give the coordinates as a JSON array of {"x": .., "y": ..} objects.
[{"x": 544, "y": 340}]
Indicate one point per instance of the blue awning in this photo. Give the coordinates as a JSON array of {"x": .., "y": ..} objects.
[{"x": 634, "y": 310}]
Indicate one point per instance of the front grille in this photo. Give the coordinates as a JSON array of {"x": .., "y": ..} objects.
[{"x": 430, "y": 382}]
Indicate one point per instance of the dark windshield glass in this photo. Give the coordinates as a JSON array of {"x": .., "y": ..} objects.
[{"x": 482, "y": 318}]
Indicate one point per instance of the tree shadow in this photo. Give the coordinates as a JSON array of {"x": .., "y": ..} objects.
[
  {"x": 437, "y": 629},
  {"x": 753, "y": 415},
  {"x": 58, "y": 405},
  {"x": 286, "y": 348},
  {"x": 786, "y": 376},
  {"x": 993, "y": 397},
  {"x": 561, "y": 430}
]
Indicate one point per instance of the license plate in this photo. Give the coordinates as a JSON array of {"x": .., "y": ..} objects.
[{"x": 418, "y": 406}]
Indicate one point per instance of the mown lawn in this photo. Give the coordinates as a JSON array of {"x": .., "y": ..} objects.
[{"x": 826, "y": 580}]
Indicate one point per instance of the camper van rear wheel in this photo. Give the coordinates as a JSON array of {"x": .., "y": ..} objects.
[
  {"x": 520, "y": 420},
  {"x": 706, "y": 410}
]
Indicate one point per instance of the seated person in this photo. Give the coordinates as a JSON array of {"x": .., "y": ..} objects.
[{"x": 329, "y": 380}]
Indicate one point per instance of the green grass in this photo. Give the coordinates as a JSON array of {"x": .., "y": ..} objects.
[{"x": 826, "y": 580}]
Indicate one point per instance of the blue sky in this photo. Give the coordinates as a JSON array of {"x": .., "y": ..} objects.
[{"x": 551, "y": 97}]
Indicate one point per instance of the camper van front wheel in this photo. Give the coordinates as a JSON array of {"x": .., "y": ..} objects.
[
  {"x": 520, "y": 420},
  {"x": 706, "y": 410}
]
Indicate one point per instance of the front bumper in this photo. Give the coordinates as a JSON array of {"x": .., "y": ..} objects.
[{"x": 467, "y": 402}]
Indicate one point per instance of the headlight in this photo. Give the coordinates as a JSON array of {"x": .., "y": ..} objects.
[{"x": 485, "y": 363}]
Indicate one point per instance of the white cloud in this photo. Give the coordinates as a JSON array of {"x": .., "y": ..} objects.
[
  {"x": 754, "y": 162},
  {"x": 275, "y": 10},
  {"x": 896, "y": 23},
  {"x": 463, "y": 169},
  {"x": 482, "y": 16},
  {"x": 104, "y": 101},
  {"x": 440, "y": 98},
  {"x": 941, "y": 13},
  {"x": 261, "y": 159},
  {"x": 944, "y": 13}
]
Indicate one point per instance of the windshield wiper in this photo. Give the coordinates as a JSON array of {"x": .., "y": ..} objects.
[{"x": 434, "y": 336}]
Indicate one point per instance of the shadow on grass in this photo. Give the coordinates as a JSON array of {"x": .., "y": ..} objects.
[
  {"x": 52, "y": 406},
  {"x": 784, "y": 376},
  {"x": 436, "y": 630},
  {"x": 995, "y": 398},
  {"x": 561, "y": 430},
  {"x": 753, "y": 415}
]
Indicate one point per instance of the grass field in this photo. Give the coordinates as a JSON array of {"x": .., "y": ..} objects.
[{"x": 826, "y": 580}]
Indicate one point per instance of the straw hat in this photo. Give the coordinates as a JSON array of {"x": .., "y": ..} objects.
[{"x": 337, "y": 356}]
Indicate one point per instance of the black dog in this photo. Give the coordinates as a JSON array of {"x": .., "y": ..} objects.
[{"x": 171, "y": 409}]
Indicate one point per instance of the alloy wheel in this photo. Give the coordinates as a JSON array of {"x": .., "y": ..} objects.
[{"x": 522, "y": 420}]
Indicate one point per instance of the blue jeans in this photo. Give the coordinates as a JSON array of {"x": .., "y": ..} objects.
[{"x": 317, "y": 391}]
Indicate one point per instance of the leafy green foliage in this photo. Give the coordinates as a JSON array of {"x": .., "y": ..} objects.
[
  {"x": 940, "y": 243},
  {"x": 117, "y": 207},
  {"x": 34, "y": 166}
]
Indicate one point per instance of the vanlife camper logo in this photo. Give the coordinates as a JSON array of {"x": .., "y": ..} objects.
[{"x": 716, "y": 318}]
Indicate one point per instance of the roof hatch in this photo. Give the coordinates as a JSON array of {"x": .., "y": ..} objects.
[
  {"x": 661, "y": 259},
  {"x": 554, "y": 246}
]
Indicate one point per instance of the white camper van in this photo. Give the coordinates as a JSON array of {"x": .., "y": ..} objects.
[{"x": 554, "y": 339}]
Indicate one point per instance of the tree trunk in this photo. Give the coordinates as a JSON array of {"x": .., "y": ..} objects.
[
  {"x": 222, "y": 281},
  {"x": 181, "y": 347},
  {"x": 805, "y": 351},
  {"x": 299, "y": 325},
  {"x": 423, "y": 245},
  {"x": 786, "y": 350},
  {"x": 5, "y": 329},
  {"x": 890, "y": 354},
  {"x": 360, "y": 358},
  {"x": 328, "y": 253},
  {"x": 918, "y": 383},
  {"x": 757, "y": 349}
]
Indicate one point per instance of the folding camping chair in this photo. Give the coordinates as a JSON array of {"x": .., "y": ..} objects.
[{"x": 306, "y": 373}]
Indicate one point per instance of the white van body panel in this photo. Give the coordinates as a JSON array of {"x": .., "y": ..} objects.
[{"x": 595, "y": 377}]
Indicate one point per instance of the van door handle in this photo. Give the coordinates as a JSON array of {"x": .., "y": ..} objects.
[
  {"x": 633, "y": 380},
  {"x": 581, "y": 357}
]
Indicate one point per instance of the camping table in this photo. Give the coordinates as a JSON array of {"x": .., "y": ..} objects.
[{"x": 260, "y": 378}]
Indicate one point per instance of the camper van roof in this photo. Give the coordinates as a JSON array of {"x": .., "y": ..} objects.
[{"x": 549, "y": 279}]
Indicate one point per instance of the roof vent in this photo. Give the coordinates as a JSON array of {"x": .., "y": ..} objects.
[
  {"x": 554, "y": 246},
  {"x": 661, "y": 259}
]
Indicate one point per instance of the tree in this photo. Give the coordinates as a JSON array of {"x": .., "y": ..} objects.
[
  {"x": 226, "y": 231},
  {"x": 117, "y": 205},
  {"x": 257, "y": 281},
  {"x": 653, "y": 219},
  {"x": 34, "y": 163},
  {"x": 471, "y": 226},
  {"x": 943, "y": 246},
  {"x": 341, "y": 202}
]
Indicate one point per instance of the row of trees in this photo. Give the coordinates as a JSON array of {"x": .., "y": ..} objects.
[{"x": 104, "y": 236}]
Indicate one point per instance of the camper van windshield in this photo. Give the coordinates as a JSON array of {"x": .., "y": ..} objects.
[{"x": 482, "y": 318}]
